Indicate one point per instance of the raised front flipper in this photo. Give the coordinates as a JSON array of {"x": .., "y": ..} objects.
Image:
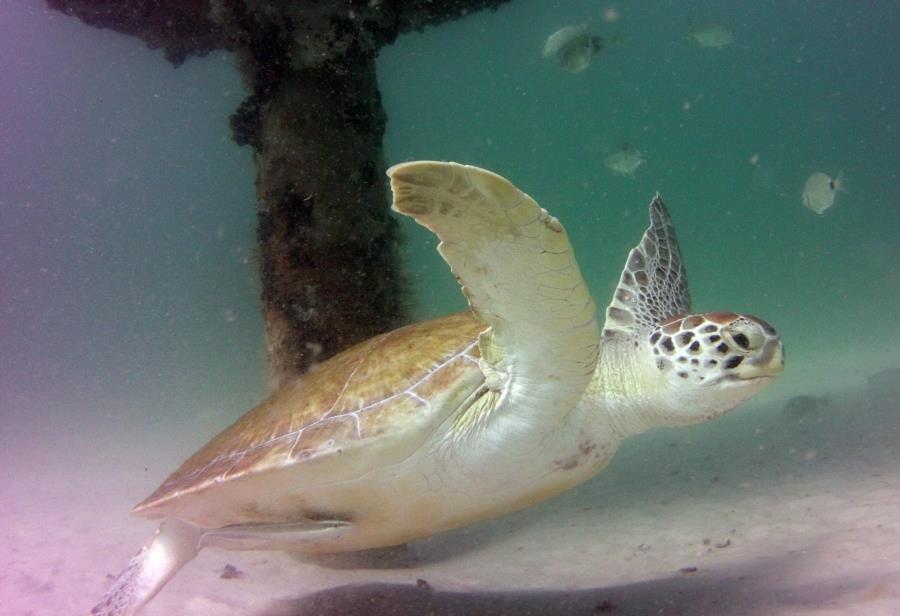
[
  {"x": 518, "y": 271},
  {"x": 653, "y": 286}
]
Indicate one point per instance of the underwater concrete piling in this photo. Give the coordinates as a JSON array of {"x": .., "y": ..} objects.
[{"x": 328, "y": 246}]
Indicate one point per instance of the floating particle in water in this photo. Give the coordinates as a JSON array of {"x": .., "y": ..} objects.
[{"x": 711, "y": 36}]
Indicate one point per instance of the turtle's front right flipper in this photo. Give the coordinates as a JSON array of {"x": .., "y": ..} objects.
[
  {"x": 174, "y": 544},
  {"x": 519, "y": 273}
]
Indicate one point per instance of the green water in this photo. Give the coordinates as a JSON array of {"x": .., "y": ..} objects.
[
  {"x": 128, "y": 213},
  {"x": 806, "y": 87}
]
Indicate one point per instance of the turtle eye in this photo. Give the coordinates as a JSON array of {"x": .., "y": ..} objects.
[{"x": 746, "y": 335}]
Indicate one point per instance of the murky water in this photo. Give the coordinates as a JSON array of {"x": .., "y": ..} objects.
[{"x": 130, "y": 329}]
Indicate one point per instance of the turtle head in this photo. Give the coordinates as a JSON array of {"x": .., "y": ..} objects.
[
  {"x": 690, "y": 367},
  {"x": 712, "y": 362}
]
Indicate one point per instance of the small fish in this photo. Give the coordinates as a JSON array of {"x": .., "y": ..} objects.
[
  {"x": 713, "y": 36},
  {"x": 820, "y": 191},
  {"x": 624, "y": 160},
  {"x": 573, "y": 47}
]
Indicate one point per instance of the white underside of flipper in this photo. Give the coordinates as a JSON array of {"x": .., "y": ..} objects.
[
  {"x": 519, "y": 273},
  {"x": 174, "y": 544}
]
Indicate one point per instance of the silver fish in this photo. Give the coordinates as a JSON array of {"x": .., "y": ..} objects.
[
  {"x": 820, "y": 191},
  {"x": 573, "y": 47},
  {"x": 714, "y": 36},
  {"x": 624, "y": 160}
]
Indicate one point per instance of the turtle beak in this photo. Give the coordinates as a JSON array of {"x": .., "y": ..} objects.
[
  {"x": 767, "y": 360},
  {"x": 767, "y": 363}
]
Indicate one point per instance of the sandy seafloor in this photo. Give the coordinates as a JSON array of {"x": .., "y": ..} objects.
[{"x": 778, "y": 508}]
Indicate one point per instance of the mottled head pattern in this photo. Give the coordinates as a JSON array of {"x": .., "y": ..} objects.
[
  {"x": 716, "y": 347},
  {"x": 653, "y": 286}
]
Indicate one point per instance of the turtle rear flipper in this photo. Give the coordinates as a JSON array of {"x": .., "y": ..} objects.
[{"x": 174, "y": 545}]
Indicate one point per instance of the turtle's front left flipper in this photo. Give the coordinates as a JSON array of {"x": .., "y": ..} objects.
[
  {"x": 174, "y": 544},
  {"x": 519, "y": 273}
]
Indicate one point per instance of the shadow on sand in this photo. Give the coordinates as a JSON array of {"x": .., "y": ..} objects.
[{"x": 749, "y": 591}]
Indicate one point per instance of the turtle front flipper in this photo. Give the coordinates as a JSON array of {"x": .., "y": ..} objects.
[
  {"x": 653, "y": 286},
  {"x": 519, "y": 273},
  {"x": 174, "y": 544}
]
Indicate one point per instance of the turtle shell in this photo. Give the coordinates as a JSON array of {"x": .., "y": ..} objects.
[{"x": 393, "y": 387}]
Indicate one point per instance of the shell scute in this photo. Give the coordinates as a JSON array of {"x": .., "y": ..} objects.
[{"x": 378, "y": 387}]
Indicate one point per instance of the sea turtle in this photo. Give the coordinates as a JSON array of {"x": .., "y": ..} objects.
[
  {"x": 466, "y": 417},
  {"x": 573, "y": 47}
]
